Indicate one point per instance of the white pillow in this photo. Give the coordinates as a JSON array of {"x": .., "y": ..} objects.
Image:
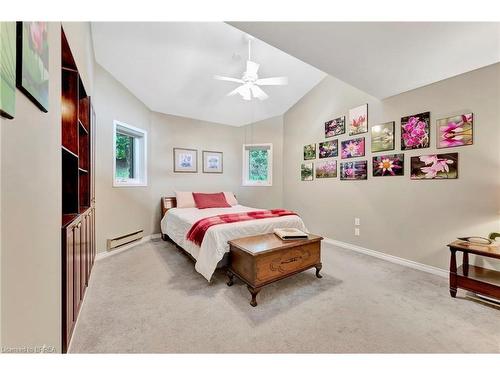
[
  {"x": 185, "y": 199},
  {"x": 230, "y": 198}
]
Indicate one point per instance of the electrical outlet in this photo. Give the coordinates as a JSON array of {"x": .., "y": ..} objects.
[
  {"x": 356, "y": 221},
  {"x": 356, "y": 231}
]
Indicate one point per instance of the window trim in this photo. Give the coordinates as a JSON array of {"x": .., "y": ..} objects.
[
  {"x": 141, "y": 152},
  {"x": 245, "y": 181}
]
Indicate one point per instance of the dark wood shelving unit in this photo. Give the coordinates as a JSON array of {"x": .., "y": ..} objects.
[{"x": 78, "y": 199}]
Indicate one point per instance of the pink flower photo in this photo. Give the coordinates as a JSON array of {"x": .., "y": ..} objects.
[
  {"x": 353, "y": 148},
  {"x": 433, "y": 167},
  {"x": 455, "y": 131},
  {"x": 388, "y": 165},
  {"x": 335, "y": 127},
  {"x": 415, "y": 131},
  {"x": 358, "y": 120},
  {"x": 326, "y": 169},
  {"x": 354, "y": 170}
]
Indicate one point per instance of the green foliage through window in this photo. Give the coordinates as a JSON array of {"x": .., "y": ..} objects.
[
  {"x": 257, "y": 169},
  {"x": 124, "y": 156}
]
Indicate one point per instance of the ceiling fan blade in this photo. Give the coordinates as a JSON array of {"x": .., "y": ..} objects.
[
  {"x": 274, "y": 81},
  {"x": 252, "y": 67},
  {"x": 258, "y": 93},
  {"x": 243, "y": 90},
  {"x": 221, "y": 78},
  {"x": 234, "y": 92}
]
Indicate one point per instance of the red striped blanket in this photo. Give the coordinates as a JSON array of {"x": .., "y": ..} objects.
[{"x": 198, "y": 230}]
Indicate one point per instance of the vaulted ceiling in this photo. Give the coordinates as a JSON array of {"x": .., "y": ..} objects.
[
  {"x": 385, "y": 58},
  {"x": 170, "y": 66}
]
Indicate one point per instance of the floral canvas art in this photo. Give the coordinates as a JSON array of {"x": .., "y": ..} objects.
[
  {"x": 326, "y": 169},
  {"x": 310, "y": 151},
  {"x": 352, "y": 148},
  {"x": 307, "y": 172},
  {"x": 328, "y": 149},
  {"x": 388, "y": 165},
  {"x": 455, "y": 131},
  {"x": 33, "y": 62},
  {"x": 415, "y": 131},
  {"x": 335, "y": 127},
  {"x": 354, "y": 170},
  {"x": 383, "y": 137},
  {"x": 440, "y": 166},
  {"x": 358, "y": 120},
  {"x": 7, "y": 69}
]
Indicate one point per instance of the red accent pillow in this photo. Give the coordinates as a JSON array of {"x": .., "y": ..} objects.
[{"x": 214, "y": 200}]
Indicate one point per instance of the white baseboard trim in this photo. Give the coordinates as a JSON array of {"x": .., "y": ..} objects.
[
  {"x": 104, "y": 254},
  {"x": 388, "y": 257}
]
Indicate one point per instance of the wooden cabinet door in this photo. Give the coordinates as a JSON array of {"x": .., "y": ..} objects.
[
  {"x": 77, "y": 290},
  {"x": 93, "y": 236},
  {"x": 69, "y": 281},
  {"x": 83, "y": 252},
  {"x": 88, "y": 254}
]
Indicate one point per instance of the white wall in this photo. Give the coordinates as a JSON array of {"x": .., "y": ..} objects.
[
  {"x": 121, "y": 210},
  {"x": 266, "y": 131},
  {"x": 409, "y": 219},
  {"x": 31, "y": 210},
  {"x": 31, "y": 214}
]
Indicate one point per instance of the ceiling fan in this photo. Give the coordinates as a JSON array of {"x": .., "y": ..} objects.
[{"x": 250, "y": 81}]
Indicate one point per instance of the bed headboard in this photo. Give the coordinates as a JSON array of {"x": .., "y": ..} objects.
[{"x": 167, "y": 203}]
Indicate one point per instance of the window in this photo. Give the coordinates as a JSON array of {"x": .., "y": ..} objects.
[
  {"x": 258, "y": 165},
  {"x": 129, "y": 154}
]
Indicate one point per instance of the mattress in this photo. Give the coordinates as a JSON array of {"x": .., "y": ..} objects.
[{"x": 177, "y": 222}]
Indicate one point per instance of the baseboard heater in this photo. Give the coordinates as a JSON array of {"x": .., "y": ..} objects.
[{"x": 116, "y": 242}]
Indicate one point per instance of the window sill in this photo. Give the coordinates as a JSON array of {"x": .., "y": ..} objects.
[
  {"x": 256, "y": 185},
  {"x": 129, "y": 184}
]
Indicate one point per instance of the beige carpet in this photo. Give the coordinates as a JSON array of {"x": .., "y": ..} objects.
[{"x": 150, "y": 299}]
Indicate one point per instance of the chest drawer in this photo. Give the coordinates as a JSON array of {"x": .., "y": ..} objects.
[{"x": 278, "y": 264}]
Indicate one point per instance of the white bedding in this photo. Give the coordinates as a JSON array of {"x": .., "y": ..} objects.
[{"x": 177, "y": 222}]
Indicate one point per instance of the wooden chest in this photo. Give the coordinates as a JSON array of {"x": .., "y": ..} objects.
[{"x": 263, "y": 259}]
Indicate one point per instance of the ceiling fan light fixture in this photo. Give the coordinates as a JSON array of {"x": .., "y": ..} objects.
[{"x": 250, "y": 81}]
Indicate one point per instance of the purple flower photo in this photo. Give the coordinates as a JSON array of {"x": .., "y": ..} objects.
[
  {"x": 455, "y": 131},
  {"x": 434, "y": 167},
  {"x": 354, "y": 170},
  {"x": 415, "y": 131},
  {"x": 328, "y": 149},
  {"x": 335, "y": 127}
]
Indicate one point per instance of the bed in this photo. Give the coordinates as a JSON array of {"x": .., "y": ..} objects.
[{"x": 176, "y": 223}]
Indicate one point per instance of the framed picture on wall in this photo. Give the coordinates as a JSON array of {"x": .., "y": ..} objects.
[
  {"x": 328, "y": 149},
  {"x": 354, "y": 170},
  {"x": 383, "y": 137},
  {"x": 307, "y": 171},
  {"x": 415, "y": 131},
  {"x": 32, "y": 77},
  {"x": 358, "y": 120},
  {"x": 434, "y": 167},
  {"x": 7, "y": 69},
  {"x": 326, "y": 169},
  {"x": 185, "y": 160},
  {"x": 389, "y": 165},
  {"x": 455, "y": 131},
  {"x": 212, "y": 162},
  {"x": 310, "y": 151},
  {"x": 335, "y": 127},
  {"x": 352, "y": 148}
]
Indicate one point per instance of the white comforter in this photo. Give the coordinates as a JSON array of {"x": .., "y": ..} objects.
[{"x": 177, "y": 222}]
